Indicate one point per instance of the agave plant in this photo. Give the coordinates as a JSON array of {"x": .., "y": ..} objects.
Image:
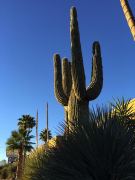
[
  {"x": 102, "y": 148},
  {"x": 124, "y": 108}
]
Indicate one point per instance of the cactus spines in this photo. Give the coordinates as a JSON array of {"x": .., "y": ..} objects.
[
  {"x": 59, "y": 92},
  {"x": 78, "y": 74},
  {"x": 94, "y": 89},
  {"x": 66, "y": 76},
  {"x": 69, "y": 81}
]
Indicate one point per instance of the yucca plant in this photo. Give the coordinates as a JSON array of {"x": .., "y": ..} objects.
[
  {"x": 102, "y": 148},
  {"x": 124, "y": 108}
]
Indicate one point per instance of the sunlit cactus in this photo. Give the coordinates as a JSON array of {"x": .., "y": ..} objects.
[{"x": 69, "y": 80}]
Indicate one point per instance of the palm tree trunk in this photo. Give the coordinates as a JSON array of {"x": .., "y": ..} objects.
[
  {"x": 24, "y": 158},
  {"x": 19, "y": 170},
  {"x": 129, "y": 16}
]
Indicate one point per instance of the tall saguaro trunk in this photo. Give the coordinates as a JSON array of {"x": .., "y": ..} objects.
[
  {"x": 77, "y": 109},
  {"x": 69, "y": 80},
  {"x": 129, "y": 16}
]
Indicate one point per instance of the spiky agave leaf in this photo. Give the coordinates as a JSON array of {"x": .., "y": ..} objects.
[
  {"x": 124, "y": 108},
  {"x": 102, "y": 148},
  {"x": 34, "y": 165}
]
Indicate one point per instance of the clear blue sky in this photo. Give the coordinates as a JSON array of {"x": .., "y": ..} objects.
[{"x": 31, "y": 31}]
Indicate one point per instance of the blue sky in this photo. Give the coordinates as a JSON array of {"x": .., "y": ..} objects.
[{"x": 32, "y": 31}]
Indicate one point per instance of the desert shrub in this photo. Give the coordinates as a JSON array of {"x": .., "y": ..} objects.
[
  {"x": 8, "y": 171},
  {"x": 102, "y": 148}
]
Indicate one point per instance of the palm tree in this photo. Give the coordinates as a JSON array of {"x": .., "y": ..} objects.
[
  {"x": 26, "y": 122},
  {"x": 15, "y": 143},
  {"x": 102, "y": 148},
  {"x": 129, "y": 16},
  {"x": 43, "y": 135},
  {"x": 20, "y": 140}
]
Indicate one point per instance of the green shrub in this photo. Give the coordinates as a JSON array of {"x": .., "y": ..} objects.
[
  {"x": 8, "y": 171},
  {"x": 102, "y": 148}
]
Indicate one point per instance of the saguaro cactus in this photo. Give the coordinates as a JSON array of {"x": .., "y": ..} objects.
[{"x": 69, "y": 81}]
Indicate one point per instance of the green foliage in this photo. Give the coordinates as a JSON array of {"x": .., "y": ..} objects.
[
  {"x": 26, "y": 122},
  {"x": 22, "y": 136},
  {"x": 102, "y": 148},
  {"x": 34, "y": 163},
  {"x": 43, "y": 135},
  {"x": 8, "y": 171},
  {"x": 14, "y": 141},
  {"x": 124, "y": 108},
  {"x": 19, "y": 138},
  {"x": 25, "y": 125}
]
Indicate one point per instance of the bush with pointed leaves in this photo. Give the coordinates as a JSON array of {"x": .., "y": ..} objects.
[
  {"x": 102, "y": 148},
  {"x": 8, "y": 171},
  {"x": 124, "y": 108}
]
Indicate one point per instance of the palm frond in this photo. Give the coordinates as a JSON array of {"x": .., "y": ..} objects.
[{"x": 43, "y": 135}]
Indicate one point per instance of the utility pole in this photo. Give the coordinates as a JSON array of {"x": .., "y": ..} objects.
[
  {"x": 37, "y": 129},
  {"x": 129, "y": 16},
  {"x": 47, "y": 120}
]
